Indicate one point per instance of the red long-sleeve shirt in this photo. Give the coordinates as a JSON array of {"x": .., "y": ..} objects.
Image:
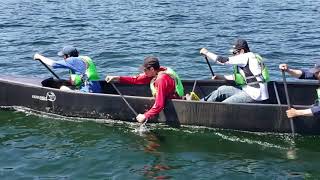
[{"x": 164, "y": 85}]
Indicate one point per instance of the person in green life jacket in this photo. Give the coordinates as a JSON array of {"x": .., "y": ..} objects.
[
  {"x": 164, "y": 84},
  {"x": 83, "y": 73},
  {"x": 250, "y": 75}
]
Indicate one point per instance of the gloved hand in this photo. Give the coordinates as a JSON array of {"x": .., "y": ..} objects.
[
  {"x": 204, "y": 51},
  {"x": 37, "y": 56},
  {"x": 112, "y": 78}
]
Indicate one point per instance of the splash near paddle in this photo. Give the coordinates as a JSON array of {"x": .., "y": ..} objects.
[{"x": 142, "y": 128}]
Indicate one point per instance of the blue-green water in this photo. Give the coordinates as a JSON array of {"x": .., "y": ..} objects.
[
  {"x": 38, "y": 147},
  {"x": 118, "y": 35}
]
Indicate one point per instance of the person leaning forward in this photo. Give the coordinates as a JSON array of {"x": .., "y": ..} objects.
[
  {"x": 82, "y": 70},
  {"x": 250, "y": 75},
  {"x": 312, "y": 73},
  {"x": 164, "y": 84}
]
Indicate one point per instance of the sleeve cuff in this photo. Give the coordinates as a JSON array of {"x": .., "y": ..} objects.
[
  {"x": 147, "y": 115},
  {"x": 302, "y": 75},
  {"x": 212, "y": 56},
  {"x": 315, "y": 110}
]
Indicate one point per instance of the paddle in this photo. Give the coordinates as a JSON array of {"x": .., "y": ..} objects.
[
  {"x": 205, "y": 98},
  {"x": 49, "y": 69},
  {"x": 142, "y": 127},
  {"x": 288, "y": 100},
  {"x": 114, "y": 86},
  {"x": 209, "y": 65}
]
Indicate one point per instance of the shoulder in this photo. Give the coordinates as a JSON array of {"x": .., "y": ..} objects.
[
  {"x": 240, "y": 59},
  {"x": 73, "y": 59},
  {"x": 87, "y": 58},
  {"x": 248, "y": 56},
  {"x": 307, "y": 74},
  {"x": 162, "y": 68},
  {"x": 163, "y": 77}
]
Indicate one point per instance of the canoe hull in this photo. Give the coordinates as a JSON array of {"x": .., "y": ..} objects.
[{"x": 248, "y": 117}]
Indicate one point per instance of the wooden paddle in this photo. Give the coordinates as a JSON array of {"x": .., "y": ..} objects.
[{"x": 288, "y": 100}]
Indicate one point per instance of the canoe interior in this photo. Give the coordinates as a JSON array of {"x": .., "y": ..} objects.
[{"x": 300, "y": 93}]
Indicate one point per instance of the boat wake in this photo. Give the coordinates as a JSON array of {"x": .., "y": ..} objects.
[
  {"x": 249, "y": 141},
  {"x": 32, "y": 112},
  {"x": 134, "y": 126},
  {"x": 287, "y": 143}
]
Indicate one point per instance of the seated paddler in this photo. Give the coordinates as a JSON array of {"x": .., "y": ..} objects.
[
  {"x": 164, "y": 84},
  {"x": 312, "y": 73},
  {"x": 82, "y": 70},
  {"x": 249, "y": 73}
]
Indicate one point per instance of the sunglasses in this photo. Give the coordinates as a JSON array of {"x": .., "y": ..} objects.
[{"x": 235, "y": 52}]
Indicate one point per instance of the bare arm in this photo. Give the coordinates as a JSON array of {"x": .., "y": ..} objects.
[
  {"x": 301, "y": 112},
  {"x": 293, "y": 72}
]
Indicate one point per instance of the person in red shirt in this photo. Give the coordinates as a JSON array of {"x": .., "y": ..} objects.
[{"x": 164, "y": 83}]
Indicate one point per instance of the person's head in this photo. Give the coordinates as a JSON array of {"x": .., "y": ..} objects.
[
  {"x": 316, "y": 70},
  {"x": 151, "y": 66},
  {"x": 68, "y": 51},
  {"x": 240, "y": 47}
]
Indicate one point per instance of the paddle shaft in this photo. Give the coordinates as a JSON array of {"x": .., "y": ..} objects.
[
  {"x": 276, "y": 92},
  {"x": 288, "y": 100},
  {"x": 209, "y": 65},
  {"x": 194, "y": 85},
  {"x": 134, "y": 112},
  {"x": 49, "y": 69},
  {"x": 145, "y": 122}
]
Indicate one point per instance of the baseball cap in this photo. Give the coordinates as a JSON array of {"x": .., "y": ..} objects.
[
  {"x": 69, "y": 50},
  {"x": 151, "y": 61},
  {"x": 240, "y": 44},
  {"x": 316, "y": 67}
]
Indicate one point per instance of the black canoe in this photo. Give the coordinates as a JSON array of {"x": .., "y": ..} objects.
[{"x": 267, "y": 116}]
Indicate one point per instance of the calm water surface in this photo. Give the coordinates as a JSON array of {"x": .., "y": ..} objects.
[{"x": 118, "y": 34}]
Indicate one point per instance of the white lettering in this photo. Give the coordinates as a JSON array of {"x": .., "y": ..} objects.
[{"x": 50, "y": 96}]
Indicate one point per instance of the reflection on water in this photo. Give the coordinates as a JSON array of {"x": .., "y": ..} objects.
[
  {"x": 292, "y": 150},
  {"x": 159, "y": 165}
]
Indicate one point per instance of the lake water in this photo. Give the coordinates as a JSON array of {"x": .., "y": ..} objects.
[{"x": 118, "y": 34}]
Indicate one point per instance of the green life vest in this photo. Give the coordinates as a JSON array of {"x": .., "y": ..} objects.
[
  {"x": 241, "y": 80},
  {"x": 177, "y": 80},
  {"x": 90, "y": 74}
]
